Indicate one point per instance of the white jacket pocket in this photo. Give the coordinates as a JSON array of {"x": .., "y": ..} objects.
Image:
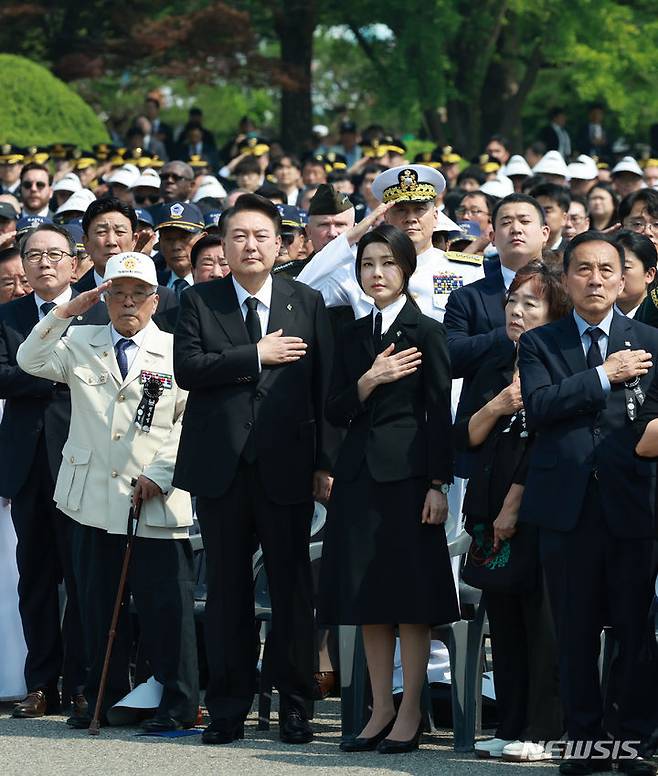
[{"x": 72, "y": 476}]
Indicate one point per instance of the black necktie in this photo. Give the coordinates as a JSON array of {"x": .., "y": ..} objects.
[
  {"x": 46, "y": 307},
  {"x": 179, "y": 286},
  {"x": 377, "y": 332},
  {"x": 594, "y": 357},
  {"x": 122, "y": 359},
  {"x": 252, "y": 320}
]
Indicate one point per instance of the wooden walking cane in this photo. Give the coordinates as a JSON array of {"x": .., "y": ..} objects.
[{"x": 133, "y": 521}]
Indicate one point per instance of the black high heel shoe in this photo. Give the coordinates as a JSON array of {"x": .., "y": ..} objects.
[
  {"x": 389, "y": 746},
  {"x": 363, "y": 744}
]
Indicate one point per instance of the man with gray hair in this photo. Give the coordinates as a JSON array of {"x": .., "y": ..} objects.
[
  {"x": 121, "y": 450},
  {"x": 32, "y": 434}
]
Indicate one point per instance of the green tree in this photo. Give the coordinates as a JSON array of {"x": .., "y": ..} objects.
[{"x": 39, "y": 109}]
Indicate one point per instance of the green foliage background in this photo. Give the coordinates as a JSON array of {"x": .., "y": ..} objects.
[{"x": 39, "y": 109}]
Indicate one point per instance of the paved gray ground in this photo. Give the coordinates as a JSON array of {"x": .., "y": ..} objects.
[{"x": 46, "y": 747}]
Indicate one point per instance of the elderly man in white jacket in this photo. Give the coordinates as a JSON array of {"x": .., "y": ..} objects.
[{"x": 126, "y": 412}]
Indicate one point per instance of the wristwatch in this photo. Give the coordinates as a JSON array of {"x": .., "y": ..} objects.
[{"x": 444, "y": 487}]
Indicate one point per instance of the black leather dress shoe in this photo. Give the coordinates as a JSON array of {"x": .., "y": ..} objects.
[
  {"x": 294, "y": 728},
  {"x": 389, "y": 746},
  {"x": 584, "y": 767},
  {"x": 223, "y": 731},
  {"x": 162, "y": 725},
  {"x": 83, "y": 721},
  {"x": 79, "y": 706},
  {"x": 367, "y": 744},
  {"x": 638, "y": 766}
]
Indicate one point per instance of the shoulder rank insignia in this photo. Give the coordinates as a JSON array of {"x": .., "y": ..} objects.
[{"x": 465, "y": 258}]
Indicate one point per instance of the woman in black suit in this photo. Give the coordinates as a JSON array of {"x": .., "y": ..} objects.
[
  {"x": 385, "y": 556},
  {"x": 491, "y": 426}
]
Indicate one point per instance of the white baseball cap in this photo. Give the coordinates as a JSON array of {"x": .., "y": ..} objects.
[
  {"x": 627, "y": 164},
  {"x": 552, "y": 163},
  {"x": 78, "y": 202},
  {"x": 584, "y": 169},
  {"x": 68, "y": 182},
  {"x": 124, "y": 176},
  {"x": 131, "y": 264},
  {"x": 209, "y": 186},
  {"x": 516, "y": 165},
  {"x": 148, "y": 179},
  {"x": 500, "y": 187}
]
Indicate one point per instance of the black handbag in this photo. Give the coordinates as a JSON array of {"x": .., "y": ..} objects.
[{"x": 513, "y": 568}]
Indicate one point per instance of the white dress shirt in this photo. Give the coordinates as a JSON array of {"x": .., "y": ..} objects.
[
  {"x": 131, "y": 350},
  {"x": 508, "y": 275},
  {"x": 63, "y": 298},
  {"x": 264, "y": 297},
  {"x": 389, "y": 313},
  {"x": 586, "y": 341}
]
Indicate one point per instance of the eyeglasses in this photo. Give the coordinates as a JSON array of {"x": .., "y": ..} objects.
[
  {"x": 29, "y": 184},
  {"x": 55, "y": 255},
  {"x": 639, "y": 225},
  {"x": 140, "y": 199},
  {"x": 576, "y": 220},
  {"x": 474, "y": 212},
  {"x": 171, "y": 176},
  {"x": 138, "y": 297}
]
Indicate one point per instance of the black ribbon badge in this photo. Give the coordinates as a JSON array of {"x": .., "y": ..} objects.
[{"x": 152, "y": 391}]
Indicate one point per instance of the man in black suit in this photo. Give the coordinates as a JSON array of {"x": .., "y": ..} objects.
[
  {"x": 254, "y": 351},
  {"x": 593, "y": 500},
  {"x": 33, "y": 431},
  {"x": 555, "y": 135},
  {"x": 475, "y": 315},
  {"x": 109, "y": 229}
]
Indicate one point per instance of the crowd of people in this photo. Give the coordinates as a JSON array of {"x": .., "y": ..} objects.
[{"x": 209, "y": 339}]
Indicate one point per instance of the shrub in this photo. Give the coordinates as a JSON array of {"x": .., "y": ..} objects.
[{"x": 39, "y": 109}]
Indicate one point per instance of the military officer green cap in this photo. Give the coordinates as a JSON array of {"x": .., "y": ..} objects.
[{"x": 328, "y": 202}]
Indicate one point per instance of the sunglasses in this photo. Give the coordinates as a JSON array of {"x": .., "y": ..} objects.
[
  {"x": 171, "y": 176},
  {"x": 29, "y": 184},
  {"x": 141, "y": 199}
]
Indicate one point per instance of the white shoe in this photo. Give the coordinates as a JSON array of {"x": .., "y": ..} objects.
[
  {"x": 492, "y": 747},
  {"x": 525, "y": 751}
]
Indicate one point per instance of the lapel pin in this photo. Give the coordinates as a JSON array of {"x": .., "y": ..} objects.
[
  {"x": 627, "y": 344},
  {"x": 398, "y": 333},
  {"x": 78, "y": 317},
  {"x": 289, "y": 307}
]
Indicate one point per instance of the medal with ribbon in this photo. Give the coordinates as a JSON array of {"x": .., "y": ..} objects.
[{"x": 152, "y": 391}]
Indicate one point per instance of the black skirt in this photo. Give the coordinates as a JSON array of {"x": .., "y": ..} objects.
[{"x": 380, "y": 564}]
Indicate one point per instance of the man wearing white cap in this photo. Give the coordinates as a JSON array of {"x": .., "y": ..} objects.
[
  {"x": 75, "y": 206},
  {"x": 583, "y": 174},
  {"x": 63, "y": 188},
  {"x": 552, "y": 168},
  {"x": 125, "y": 426},
  {"x": 627, "y": 177},
  {"x": 409, "y": 201}
]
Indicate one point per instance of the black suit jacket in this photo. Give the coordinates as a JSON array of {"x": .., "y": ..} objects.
[
  {"x": 404, "y": 428},
  {"x": 283, "y": 405},
  {"x": 34, "y": 405},
  {"x": 475, "y": 322},
  {"x": 98, "y": 314},
  {"x": 580, "y": 429}
]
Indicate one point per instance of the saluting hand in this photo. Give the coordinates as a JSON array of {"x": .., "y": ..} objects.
[
  {"x": 274, "y": 348},
  {"x": 81, "y": 303},
  {"x": 372, "y": 219}
]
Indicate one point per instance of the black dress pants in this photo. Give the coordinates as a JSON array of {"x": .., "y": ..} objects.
[
  {"x": 596, "y": 579},
  {"x": 161, "y": 581},
  {"x": 525, "y": 665},
  {"x": 228, "y": 526},
  {"x": 43, "y": 556}
]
